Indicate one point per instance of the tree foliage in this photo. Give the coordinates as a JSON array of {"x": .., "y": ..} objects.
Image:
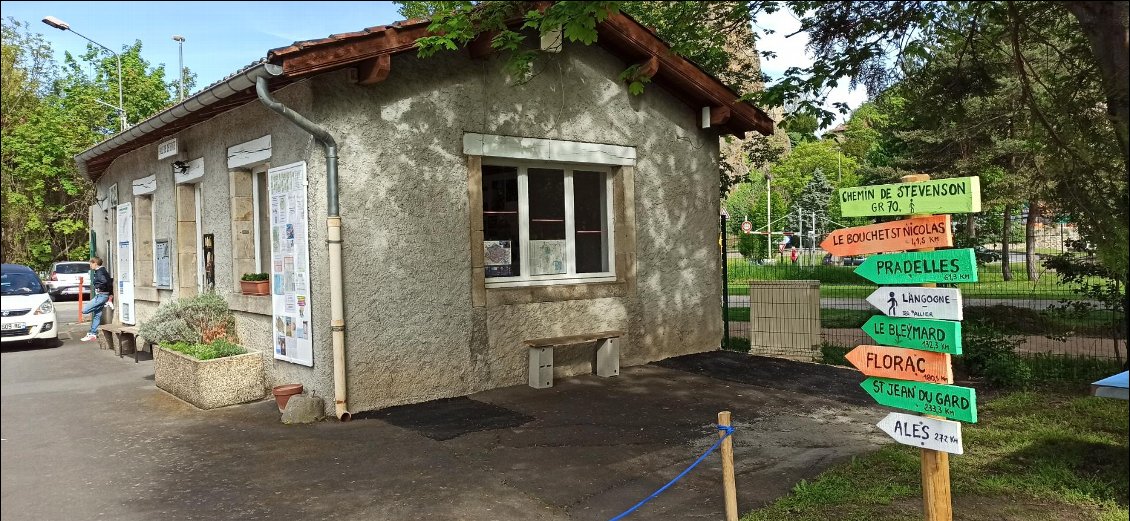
[{"x": 50, "y": 114}]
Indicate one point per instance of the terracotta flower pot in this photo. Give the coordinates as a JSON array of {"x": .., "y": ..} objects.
[
  {"x": 284, "y": 392},
  {"x": 255, "y": 287}
]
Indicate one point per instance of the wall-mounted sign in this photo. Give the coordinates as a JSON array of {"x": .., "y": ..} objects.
[
  {"x": 951, "y": 401},
  {"x": 923, "y": 432},
  {"x": 915, "y": 302},
  {"x": 163, "y": 264},
  {"x": 167, "y": 149},
  {"x": 960, "y": 195},
  {"x": 941, "y": 336},
  {"x": 125, "y": 263},
  {"x": 290, "y": 264},
  {"x": 948, "y": 266},
  {"x": 907, "y": 234}
]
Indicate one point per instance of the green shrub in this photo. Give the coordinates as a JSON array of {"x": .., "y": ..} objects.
[
  {"x": 199, "y": 319},
  {"x": 833, "y": 354},
  {"x": 255, "y": 277},
  {"x": 737, "y": 343},
  {"x": 218, "y": 348},
  {"x": 989, "y": 353}
]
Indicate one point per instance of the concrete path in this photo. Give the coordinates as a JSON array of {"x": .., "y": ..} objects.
[{"x": 86, "y": 435}]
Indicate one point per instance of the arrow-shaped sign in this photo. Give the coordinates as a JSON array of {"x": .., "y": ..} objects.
[
  {"x": 960, "y": 195},
  {"x": 903, "y": 364},
  {"x": 951, "y": 401},
  {"x": 920, "y": 431},
  {"x": 941, "y": 336},
  {"x": 917, "y": 302},
  {"x": 908, "y": 234},
  {"x": 950, "y": 266}
]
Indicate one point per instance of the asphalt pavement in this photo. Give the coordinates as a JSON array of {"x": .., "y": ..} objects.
[{"x": 87, "y": 435}]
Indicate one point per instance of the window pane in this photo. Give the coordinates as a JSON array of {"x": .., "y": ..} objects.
[
  {"x": 500, "y": 221},
  {"x": 263, "y": 223},
  {"x": 589, "y": 204},
  {"x": 547, "y": 221}
]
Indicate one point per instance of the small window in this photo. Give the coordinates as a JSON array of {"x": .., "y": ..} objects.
[{"x": 546, "y": 224}]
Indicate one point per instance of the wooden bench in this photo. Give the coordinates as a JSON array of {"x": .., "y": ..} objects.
[{"x": 541, "y": 355}]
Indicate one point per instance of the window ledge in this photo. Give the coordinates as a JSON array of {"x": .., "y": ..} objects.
[
  {"x": 146, "y": 293},
  {"x": 550, "y": 282},
  {"x": 255, "y": 304},
  {"x": 556, "y": 291}
]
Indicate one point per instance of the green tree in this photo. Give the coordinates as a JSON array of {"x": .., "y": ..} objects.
[
  {"x": 51, "y": 118},
  {"x": 747, "y": 201}
]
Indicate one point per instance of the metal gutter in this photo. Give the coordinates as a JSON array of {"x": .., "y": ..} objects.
[{"x": 232, "y": 85}]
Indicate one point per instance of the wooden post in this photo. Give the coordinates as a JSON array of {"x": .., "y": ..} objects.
[
  {"x": 936, "y": 502},
  {"x": 729, "y": 486}
]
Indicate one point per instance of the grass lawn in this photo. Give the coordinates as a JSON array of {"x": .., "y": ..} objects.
[{"x": 1034, "y": 455}]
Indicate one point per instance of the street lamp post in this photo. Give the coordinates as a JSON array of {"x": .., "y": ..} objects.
[
  {"x": 180, "y": 71},
  {"x": 63, "y": 26}
]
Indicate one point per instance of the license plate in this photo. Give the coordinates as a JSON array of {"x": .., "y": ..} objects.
[{"x": 13, "y": 325}]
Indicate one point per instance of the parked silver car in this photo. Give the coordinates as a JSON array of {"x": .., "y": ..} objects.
[{"x": 65, "y": 276}]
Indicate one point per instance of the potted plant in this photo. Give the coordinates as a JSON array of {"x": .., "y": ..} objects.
[
  {"x": 255, "y": 284},
  {"x": 198, "y": 357}
]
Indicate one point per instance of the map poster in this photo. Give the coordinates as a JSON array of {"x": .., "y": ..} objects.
[
  {"x": 547, "y": 257},
  {"x": 290, "y": 280}
]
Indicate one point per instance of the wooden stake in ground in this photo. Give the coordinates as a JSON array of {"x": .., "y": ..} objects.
[
  {"x": 936, "y": 502},
  {"x": 729, "y": 486}
]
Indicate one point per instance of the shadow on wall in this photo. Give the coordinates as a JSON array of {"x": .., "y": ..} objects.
[{"x": 404, "y": 209}]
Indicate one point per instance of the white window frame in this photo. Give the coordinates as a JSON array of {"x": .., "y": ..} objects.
[
  {"x": 570, "y": 276},
  {"x": 258, "y": 172}
]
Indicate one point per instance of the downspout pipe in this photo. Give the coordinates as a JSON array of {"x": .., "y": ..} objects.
[{"x": 333, "y": 235}]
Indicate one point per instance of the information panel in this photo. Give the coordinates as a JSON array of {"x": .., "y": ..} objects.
[
  {"x": 290, "y": 264},
  {"x": 125, "y": 264}
]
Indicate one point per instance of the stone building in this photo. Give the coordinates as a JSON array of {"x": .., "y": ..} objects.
[{"x": 471, "y": 213}]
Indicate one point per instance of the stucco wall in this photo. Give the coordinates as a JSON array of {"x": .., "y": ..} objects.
[
  {"x": 412, "y": 332},
  {"x": 211, "y": 140}
]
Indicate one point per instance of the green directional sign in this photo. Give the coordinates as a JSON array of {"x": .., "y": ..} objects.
[
  {"x": 948, "y": 266},
  {"x": 960, "y": 195},
  {"x": 950, "y": 401},
  {"x": 940, "y": 336}
]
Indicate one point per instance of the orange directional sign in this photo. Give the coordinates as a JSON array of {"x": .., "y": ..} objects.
[
  {"x": 902, "y": 364},
  {"x": 907, "y": 234}
]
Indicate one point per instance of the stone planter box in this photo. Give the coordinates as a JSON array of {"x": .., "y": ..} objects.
[{"x": 208, "y": 384}]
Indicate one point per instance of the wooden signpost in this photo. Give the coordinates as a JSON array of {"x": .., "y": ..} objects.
[
  {"x": 950, "y": 401},
  {"x": 924, "y": 432},
  {"x": 915, "y": 302},
  {"x": 907, "y": 234},
  {"x": 904, "y": 364},
  {"x": 942, "y": 336},
  {"x": 960, "y": 195},
  {"x": 948, "y": 266},
  {"x": 921, "y": 318}
]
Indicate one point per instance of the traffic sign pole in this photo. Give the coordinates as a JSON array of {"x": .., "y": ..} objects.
[{"x": 937, "y": 504}]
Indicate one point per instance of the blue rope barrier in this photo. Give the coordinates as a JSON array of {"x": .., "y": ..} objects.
[{"x": 729, "y": 430}]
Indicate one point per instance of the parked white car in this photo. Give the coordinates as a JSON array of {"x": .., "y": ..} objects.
[
  {"x": 26, "y": 309},
  {"x": 65, "y": 277}
]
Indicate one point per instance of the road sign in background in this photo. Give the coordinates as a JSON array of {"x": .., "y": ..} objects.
[
  {"x": 917, "y": 302},
  {"x": 946, "y": 266},
  {"x": 941, "y": 336},
  {"x": 904, "y": 364},
  {"x": 950, "y": 401},
  {"x": 960, "y": 195},
  {"x": 908, "y": 234},
  {"x": 920, "y": 431}
]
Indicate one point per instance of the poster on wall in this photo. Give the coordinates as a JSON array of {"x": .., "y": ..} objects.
[
  {"x": 547, "y": 257},
  {"x": 162, "y": 256},
  {"x": 125, "y": 263},
  {"x": 498, "y": 258},
  {"x": 290, "y": 267}
]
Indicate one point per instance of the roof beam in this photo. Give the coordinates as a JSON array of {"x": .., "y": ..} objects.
[{"x": 374, "y": 70}]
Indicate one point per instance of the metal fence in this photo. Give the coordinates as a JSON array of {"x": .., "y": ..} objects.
[{"x": 1036, "y": 314}]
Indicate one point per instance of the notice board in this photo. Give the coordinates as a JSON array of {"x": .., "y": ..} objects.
[{"x": 290, "y": 264}]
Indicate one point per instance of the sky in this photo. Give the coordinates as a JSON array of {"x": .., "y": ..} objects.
[{"x": 222, "y": 37}]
